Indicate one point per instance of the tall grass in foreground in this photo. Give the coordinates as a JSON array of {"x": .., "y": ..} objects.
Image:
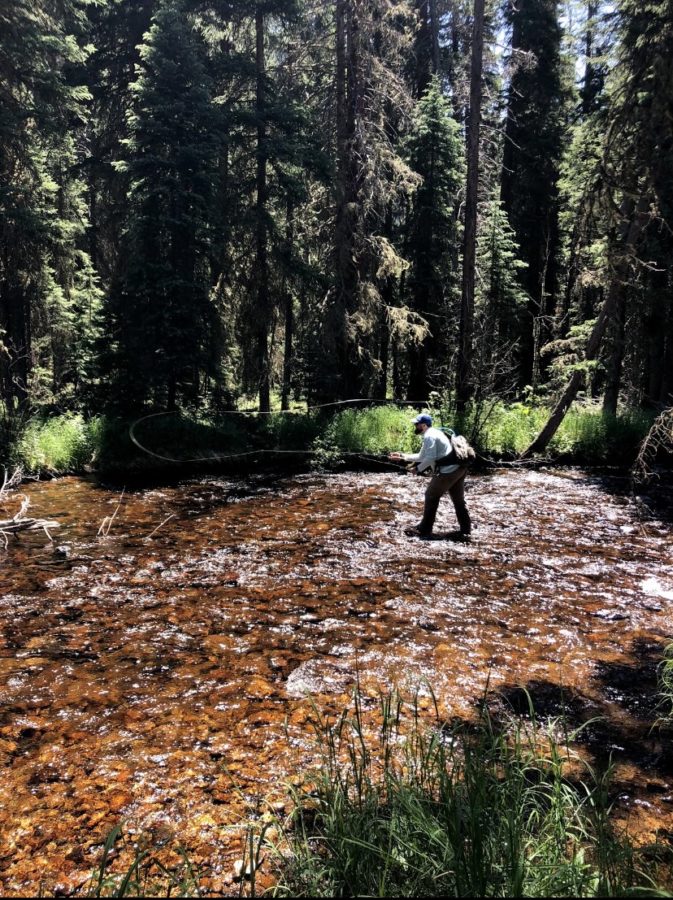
[
  {"x": 147, "y": 875},
  {"x": 666, "y": 685},
  {"x": 407, "y": 808},
  {"x": 455, "y": 810}
]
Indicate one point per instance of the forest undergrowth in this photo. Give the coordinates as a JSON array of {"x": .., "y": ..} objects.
[{"x": 71, "y": 444}]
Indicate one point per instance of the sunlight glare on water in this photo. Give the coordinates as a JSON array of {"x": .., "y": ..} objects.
[{"x": 159, "y": 675}]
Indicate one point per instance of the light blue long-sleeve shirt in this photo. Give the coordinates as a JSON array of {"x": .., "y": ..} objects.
[{"x": 435, "y": 445}]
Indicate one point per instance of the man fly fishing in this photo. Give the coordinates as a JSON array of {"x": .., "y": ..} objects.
[{"x": 447, "y": 458}]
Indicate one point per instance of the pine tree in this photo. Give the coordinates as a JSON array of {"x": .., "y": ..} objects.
[
  {"x": 161, "y": 313},
  {"x": 500, "y": 296},
  {"x": 531, "y": 161},
  {"x": 371, "y": 100},
  {"x": 466, "y": 334},
  {"x": 639, "y": 159},
  {"x": 44, "y": 272},
  {"x": 436, "y": 154},
  {"x": 116, "y": 33}
]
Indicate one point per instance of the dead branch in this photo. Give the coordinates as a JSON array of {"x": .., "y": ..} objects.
[
  {"x": 20, "y": 521},
  {"x": 9, "y": 482},
  {"x": 106, "y": 524},
  {"x": 658, "y": 439}
]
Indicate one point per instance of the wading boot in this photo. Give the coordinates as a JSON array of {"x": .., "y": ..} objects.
[{"x": 416, "y": 531}]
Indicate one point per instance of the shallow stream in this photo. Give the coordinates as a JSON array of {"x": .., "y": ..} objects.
[{"x": 158, "y": 674}]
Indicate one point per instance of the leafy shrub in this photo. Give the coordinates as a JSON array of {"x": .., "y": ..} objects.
[
  {"x": 586, "y": 435},
  {"x": 376, "y": 430},
  {"x": 62, "y": 444}
]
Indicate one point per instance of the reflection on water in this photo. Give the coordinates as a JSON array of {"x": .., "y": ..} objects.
[{"x": 142, "y": 673}]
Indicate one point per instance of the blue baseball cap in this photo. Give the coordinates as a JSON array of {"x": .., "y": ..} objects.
[{"x": 423, "y": 419}]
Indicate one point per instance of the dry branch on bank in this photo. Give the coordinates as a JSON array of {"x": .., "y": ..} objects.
[
  {"x": 19, "y": 521},
  {"x": 659, "y": 440}
]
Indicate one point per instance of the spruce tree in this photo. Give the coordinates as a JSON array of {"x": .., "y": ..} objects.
[
  {"x": 44, "y": 271},
  {"x": 435, "y": 153},
  {"x": 161, "y": 312},
  {"x": 531, "y": 161},
  {"x": 639, "y": 159},
  {"x": 499, "y": 265},
  {"x": 371, "y": 101},
  {"x": 116, "y": 33}
]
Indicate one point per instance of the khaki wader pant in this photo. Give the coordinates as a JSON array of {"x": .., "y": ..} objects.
[{"x": 453, "y": 484}]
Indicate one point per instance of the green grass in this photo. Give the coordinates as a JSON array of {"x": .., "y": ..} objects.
[
  {"x": 456, "y": 810},
  {"x": 402, "y": 805},
  {"x": 586, "y": 435},
  {"x": 148, "y": 875},
  {"x": 374, "y": 431},
  {"x": 58, "y": 445},
  {"x": 68, "y": 443},
  {"x": 666, "y": 685}
]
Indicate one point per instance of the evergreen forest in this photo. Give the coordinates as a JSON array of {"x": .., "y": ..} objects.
[{"x": 211, "y": 204}]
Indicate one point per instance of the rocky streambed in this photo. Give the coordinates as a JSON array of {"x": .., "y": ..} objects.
[{"x": 155, "y": 671}]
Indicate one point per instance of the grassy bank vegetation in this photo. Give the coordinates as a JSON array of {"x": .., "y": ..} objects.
[
  {"x": 456, "y": 810},
  {"x": 410, "y": 807},
  {"x": 666, "y": 686},
  {"x": 68, "y": 443}
]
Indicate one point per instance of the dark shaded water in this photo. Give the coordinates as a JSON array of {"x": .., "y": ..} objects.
[{"x": 136, "y": 668}]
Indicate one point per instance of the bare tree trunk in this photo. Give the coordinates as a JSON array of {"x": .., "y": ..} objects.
[
  {"x": 588, "y": 87},
  {"x": 633, "y": 230},
  {"x": 342, "y": 373},
  {"x": 666, "y": 394},
  {"x": 616, "y": 358},
  {"x": 453, "y": 55},
  {"x": 434, "y": 36},
  {"x": 289, "y": 312},
  {"x": 464, "y": 374},
  {"x": 262, "y": 274},
  {"x": 16, "y": 332},
  {"x": 335, "y": 330}
]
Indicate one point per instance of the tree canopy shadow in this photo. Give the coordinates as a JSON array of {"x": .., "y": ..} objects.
[{"x": 617, "y": 718}]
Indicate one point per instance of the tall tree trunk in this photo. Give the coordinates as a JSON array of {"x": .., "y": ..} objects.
[
  {"x": 289, "y": 311},
  {"x": 335, "y": 358},
  {"x": 631, "y": 230},
  {"x": 388, "y": 297},
  {"x": 15, "y": 335},
  {"x": 262, "y": 262},
  {"x": 588, "y": 92},
  {"x": 434, "y": 36},
  {"x": 616, "y": 357},
  {"x": 423, "y": 48},
  {"x": 530, "y": 169},
  {"x": 342, "y": 375},
  {"x": 464, "y": 374},
  {"x": 666, "y": 395},
  {"x": 453, "y": 58},
  {"x": 397, "y": 373}
]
